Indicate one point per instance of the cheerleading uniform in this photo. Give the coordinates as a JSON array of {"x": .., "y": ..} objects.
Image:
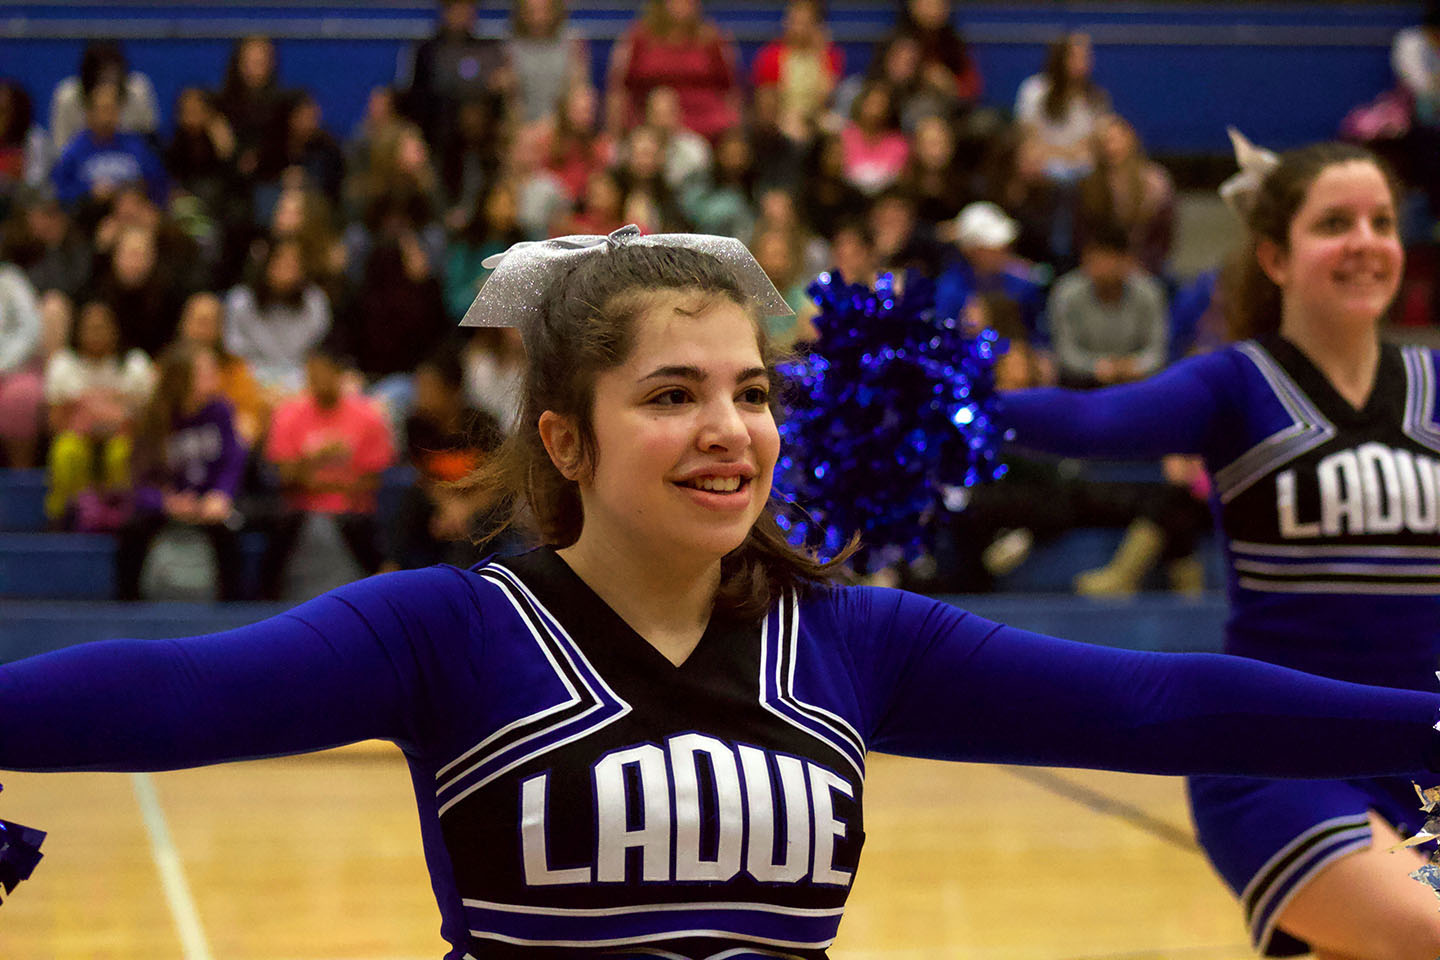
[
  {"x": 1329, "y": 516},
  {"x": 581, "y": 796}
]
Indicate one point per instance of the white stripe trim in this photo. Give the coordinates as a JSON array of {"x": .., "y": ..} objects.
[
  {"x": 1261, "y": 938},
  {"x": 1308, "y": 429},
  {"x": 857, "y": 741},
  {"x": 654, "y": 908},
  {"x": 722, "y": 955},
  {"x": 193, "y": 943},
  {"x": 1340, "y": 586},
  {"x": 1356, "y": 820},
  {"x": 650, "y": 937},
  {"x": 1357, "y": 569},
  {"x": 1322, "y": 551},
  {"x": 1418, "y": 423}
]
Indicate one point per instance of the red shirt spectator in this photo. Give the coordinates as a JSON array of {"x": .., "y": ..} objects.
[
  {"x": 795, "y": 75},
  {"x": 340, "y": 445},
  {"x": 673, "y": 46}
]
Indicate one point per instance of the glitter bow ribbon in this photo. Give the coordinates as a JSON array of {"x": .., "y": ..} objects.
[
  {"x": 19, "y": 853},
  {"x": 513, "y": 294},
  {"x": 1255, "y": 164}
]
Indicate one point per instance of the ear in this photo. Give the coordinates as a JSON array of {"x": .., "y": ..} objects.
[
  {"x": 1273, "y": 260},
  {"x": 561, "y": 437}
]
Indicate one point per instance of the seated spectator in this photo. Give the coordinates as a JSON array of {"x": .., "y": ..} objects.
[
  {"x": 902, "y": 240},
  {"x": 300, "y": 143},
  {"x": 101, "y": 157},
  {"x": 493, "y": 228},
  {"x": 649, "y": 200},
  {"x": 1128, "y": 188},
  {"x": 852, "y": 254},
  {"x": 568, "y": 143},
  {"x": 143, "y": 292},
  {"x": 898, "y": 64},
  {"x": 494, "y": 361},
  {"x": 274, "y": 322},
  {"x": 452, "y": 65},
  {"x": 1108, "y": 319},
  {"x": 934, "y": 174},
  {"x": 795, "y": 75},
  {"x": 469, "y": 159},
  {"x": 779, "y": 254},
  {"x": 945, "y": 58},
  {"x": 673, "y": 45},
  {"x": 402, "y": 183},
  {"x": 20, "y": 385},
  {"x": 724, "y": 203},
  {"x": 201, "y": 154},
  {"x": 547, "y": 54},
  {"x": 304, "y": 215},
  {"x": 329, "y": 448},
  {"x": 1062, "y": 108},
  {"x": 778, "y": 209},
  {"x": 188, "y": 465},
  {"x": 103, "y": 61},
  {"x": 94, "y": 389},
  {"x": 687, "y": 155},
  {"x": 382, "y": 115},
  {"x": 987, "y": 263},
  {"x": 251, "y": 99},
  {"x": 202, "y": 324},
  {"x": 446, "y": 440},
  {"x": 875, "y": 149},
  {"x": 398, "y": 314},
  {"x": 42, "y": 239},
  {"x": 25, "y": 153},
  {"x": 1015, "y": 179},
  {"x": 602, "y": 210}
]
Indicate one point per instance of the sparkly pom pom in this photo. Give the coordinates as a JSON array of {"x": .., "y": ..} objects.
[
  {"x": 892, "y": 407},
  {"x": 19, "y": 853}
]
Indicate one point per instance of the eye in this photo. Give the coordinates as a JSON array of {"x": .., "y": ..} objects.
[
  {"x": 673, "y": 396},
  {"x": 1334, "y": 223},
  {"x": 757, "y": 395},
  {"x": 1383, "y": 223}
]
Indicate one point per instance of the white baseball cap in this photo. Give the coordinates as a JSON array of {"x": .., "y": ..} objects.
[{"x": 984, "y": 224}]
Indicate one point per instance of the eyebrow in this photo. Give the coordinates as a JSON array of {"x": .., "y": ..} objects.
[{"x": 685, "y": 372}]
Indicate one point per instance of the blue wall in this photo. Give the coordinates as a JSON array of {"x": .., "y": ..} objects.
[{"x": 1284, "y": 72}]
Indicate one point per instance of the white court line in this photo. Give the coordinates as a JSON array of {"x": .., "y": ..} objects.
[{"x": 172, "y": 873}]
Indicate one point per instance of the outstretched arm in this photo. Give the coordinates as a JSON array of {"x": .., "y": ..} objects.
[{"x": 969, "y": 689}]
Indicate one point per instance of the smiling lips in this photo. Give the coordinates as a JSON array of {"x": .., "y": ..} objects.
[{"x": 716, "y": 484}]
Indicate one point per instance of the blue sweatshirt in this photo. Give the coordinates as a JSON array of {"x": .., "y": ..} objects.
[{"x": 124, "y": 158}]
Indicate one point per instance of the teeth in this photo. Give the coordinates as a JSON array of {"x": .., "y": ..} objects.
[{"x": 717, "y": 484}]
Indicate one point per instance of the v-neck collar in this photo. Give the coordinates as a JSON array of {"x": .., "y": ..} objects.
[
  {"x": 589, "y": 619},
  {"x": 1386, "y": 388}
]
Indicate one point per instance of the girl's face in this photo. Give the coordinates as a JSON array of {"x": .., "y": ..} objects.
[
  {"x": 97, "y": 335},
  {"x": 257, "y": 62},
  {"x": 682, "y": 11},
  {"x": 538, "y": 15},
  {"x": 934, "y": 146},
  {"x": 602, "y": 195},
  {"x": 687, "y": 410},
  {"x": 581, "y": 106},
  {"x": 644, "y": 159},
  {"x": 732, "y": 153},
  {"x": 1079, "y": 58},
  {"x": 192, "y": 112},
  {"x": 1344, "y": 260},
  {"x": 874, "y": 109},
  {"x": 852, "y": 256},
  {"x": 289, "y": 214},
  {"x": 134, "y": 258},
  {"x": 203, "y": 320},
  {"x": 204, "y": 379},
  {"x": 930, "y": 14},
  {"x": 1117, "y": 141},
  {"x": 285, "y": 273},
  {"x": 902, "y": 61}
]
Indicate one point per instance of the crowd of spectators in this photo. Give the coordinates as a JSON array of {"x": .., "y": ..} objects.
[{"x": 247, "y": 319}]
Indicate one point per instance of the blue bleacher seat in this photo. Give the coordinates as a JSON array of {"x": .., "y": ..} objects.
[{"x": 22, "y": 500}]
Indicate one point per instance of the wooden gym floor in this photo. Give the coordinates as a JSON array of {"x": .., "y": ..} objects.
[{"x": 318, "y": 858}]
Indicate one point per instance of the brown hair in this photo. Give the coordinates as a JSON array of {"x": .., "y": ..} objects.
[
  {"x": 1063, "y": 87},
  {"x": 1251, "y": 298},
  {"x": 175, "y": 375},
  {"x": 587, "y": 327}
]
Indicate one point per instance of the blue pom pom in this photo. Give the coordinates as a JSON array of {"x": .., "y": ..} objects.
[
  {"x": 19, "y": 853},
  {"x": 891, "y": 405}
]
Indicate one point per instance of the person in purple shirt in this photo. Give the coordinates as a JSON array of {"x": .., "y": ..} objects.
[
  {"x": 102, "y": 158},
  {"x": 189, "y": 464}
]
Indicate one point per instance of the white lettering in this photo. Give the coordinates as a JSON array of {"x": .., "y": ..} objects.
[
  {"x": 1380, "y": 481},
  {"x": 1341, "y": 500},
  {"x": 1290, "y": 528},
  {"x": 653, "y": 834},
  {"x": 760, "y": 855},
  {"x": 532, "y": 839},
  {"x": 730, "y": 816},
  {"x": 827, "y": 828}
]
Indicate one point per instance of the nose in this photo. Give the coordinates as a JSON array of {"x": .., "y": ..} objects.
[{"x": 723, "y": 429}]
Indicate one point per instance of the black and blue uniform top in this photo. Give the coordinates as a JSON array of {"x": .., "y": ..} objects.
[
  {"x": 580, "y": 795},
  {"x": 1330, "y": 514}
]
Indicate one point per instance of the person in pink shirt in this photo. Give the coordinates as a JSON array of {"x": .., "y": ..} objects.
[
  {"x": 329, "y": 447},
  {"x": 876, "y": 150},
  {"x": 673, "y": 45}
]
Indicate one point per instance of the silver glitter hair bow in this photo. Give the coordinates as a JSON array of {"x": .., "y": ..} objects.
[
  {"x": 512, "y": 295},
  {"x": 1255, "y": 164}
]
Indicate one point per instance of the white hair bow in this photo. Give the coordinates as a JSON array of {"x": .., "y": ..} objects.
[
  {"x": 1255, "y": 164},
  {"x": 513, "y": 294}
]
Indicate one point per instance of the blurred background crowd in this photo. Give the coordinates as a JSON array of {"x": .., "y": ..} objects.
[{"x": 218, "y": 316}]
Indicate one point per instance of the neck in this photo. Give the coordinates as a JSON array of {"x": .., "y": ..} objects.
[
  {"x": 1347, "y": 355},
  {"x": 667, "y": 603}
]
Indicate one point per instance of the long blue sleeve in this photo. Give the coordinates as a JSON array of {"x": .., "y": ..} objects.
[
  {"x": 1175, "y": 411},
  {"x": 354, "y": 664},
  {"x": 946, "y": 684}
]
